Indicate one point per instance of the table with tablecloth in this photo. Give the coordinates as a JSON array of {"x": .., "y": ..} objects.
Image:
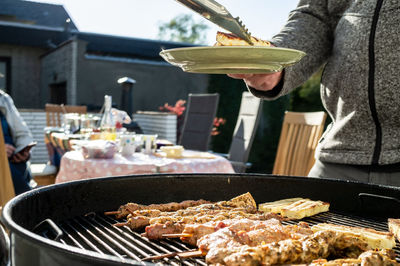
[
  {"x": 75, "y": 167},
  {"x": 58, "y": 143}
]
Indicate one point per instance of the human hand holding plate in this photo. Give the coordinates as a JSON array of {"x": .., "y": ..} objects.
[{"x": 261, "y": 82}]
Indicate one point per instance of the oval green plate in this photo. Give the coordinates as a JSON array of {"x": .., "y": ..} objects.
[{"x": 232, "y": 59}]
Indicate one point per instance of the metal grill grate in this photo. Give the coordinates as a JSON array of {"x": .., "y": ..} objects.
[{"x": 95, "y": 232}]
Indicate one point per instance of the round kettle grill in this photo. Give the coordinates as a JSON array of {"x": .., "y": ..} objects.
[{"x": 64, "y": 224}]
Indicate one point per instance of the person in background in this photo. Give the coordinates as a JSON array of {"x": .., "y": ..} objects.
[
  {"x": 358, "y": 44},
  {"x": 17, "y": 138}
]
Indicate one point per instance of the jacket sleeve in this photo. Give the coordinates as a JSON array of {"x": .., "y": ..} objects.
[
  {"x": 308, "y": 29},
  {"x": 19, "y": 130}
]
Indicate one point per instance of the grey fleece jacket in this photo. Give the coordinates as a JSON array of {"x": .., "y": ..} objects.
[{"x": 359, "y": 43}]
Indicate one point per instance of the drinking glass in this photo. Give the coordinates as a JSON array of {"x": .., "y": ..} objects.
[{"x": 71, "y": 123}]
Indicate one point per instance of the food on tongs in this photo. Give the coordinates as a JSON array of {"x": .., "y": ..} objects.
[
  {"x": 374, "y": 238},
  {"x": 295, "y": 208},
  {"x": 229, "y": 39}
]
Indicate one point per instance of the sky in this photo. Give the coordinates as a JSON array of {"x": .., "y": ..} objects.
[{"x": 141, "y": 18}]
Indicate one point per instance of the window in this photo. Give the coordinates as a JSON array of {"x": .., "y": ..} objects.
[
  {"x": 5, "y": 74},
  {"x": 58, "y": 93}
]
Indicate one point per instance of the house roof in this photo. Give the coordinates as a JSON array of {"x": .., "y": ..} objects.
[
  {"x": 34, "y": 13},
  {"x": 126, "y": 46},
  {"x": 100, "y": 44},
  {"x": 43, "y": 25}
]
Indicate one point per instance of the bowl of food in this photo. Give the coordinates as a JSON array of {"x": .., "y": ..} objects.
[{"x": 99, "y": 149}]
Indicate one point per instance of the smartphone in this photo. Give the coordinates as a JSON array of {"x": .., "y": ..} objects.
[{"x": 27, "y": 147}]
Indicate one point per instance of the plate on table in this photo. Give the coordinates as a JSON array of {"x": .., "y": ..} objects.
[{"x": 232, "y": 59}]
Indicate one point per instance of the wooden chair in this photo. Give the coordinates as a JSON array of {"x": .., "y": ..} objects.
[
  {"x": 299, "y": 138},
  {"x": 54, "y": 112},
  {"x": 199, "y": 119},
  {"x": 45, "y": 173},
  {"x": 6, "y": 184},
  {"x": 245, "y": 131}
]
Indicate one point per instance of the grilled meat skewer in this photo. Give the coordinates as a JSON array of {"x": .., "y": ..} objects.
[
  {"x": 385, "y": 257},
  {"x": 193, "y": 232},
  {"x": 176, "y": 224},
  {"x": 141, "y": 219},
  {"x": 319, "y": 245},
  {"x": 129, "y": 208},
  {"x": 236, "y": 233},
  {"x": 244, "y": 201}
]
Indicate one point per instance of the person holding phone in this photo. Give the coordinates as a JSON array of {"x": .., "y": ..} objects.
[{"x": 18, "y": 142}]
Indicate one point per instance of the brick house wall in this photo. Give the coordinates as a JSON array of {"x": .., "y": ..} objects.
[
  {"x": 156, "y": 82},
  {"x": 25, "y": 74}
]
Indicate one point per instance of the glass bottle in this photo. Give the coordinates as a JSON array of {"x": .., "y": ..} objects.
[{"x": 107, "y": 124}]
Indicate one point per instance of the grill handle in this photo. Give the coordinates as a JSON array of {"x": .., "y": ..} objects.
[
  {"x": 379, "y": 205},
  {"x": 48, "y": 226}
]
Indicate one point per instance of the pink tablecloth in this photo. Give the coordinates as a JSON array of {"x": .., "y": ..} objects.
[{"x": 74, "y": 167}]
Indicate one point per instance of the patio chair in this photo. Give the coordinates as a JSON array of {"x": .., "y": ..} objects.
[
  {"x": 6, "y": 184},
  {"x": 245, "y": 131},
  {"x": 45, "y": 173},
  {"x": 54, "y": 112},
  {"x": 299, "y": 138},
  {"x": 198, "y": 123}
]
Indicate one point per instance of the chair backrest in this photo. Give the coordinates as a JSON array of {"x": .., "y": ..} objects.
[
  {"x": 6, "y": 184},
  {"x": 199, "y": 119},
  {"x": 299, "y": 138},
  {"x": 54, "y": 112},
  {"x": 245, "y": 130}
]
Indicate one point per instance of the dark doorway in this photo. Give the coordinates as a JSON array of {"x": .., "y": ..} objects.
[
  {"x": 5, "y": 74},
  {"x": 58, "y": 93}
]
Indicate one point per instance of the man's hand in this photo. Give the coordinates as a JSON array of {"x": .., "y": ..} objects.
[
  {"x": 9, "y": 150},
  {"x": 21, "y": 156},
  {"x": 261, "y": 82}
]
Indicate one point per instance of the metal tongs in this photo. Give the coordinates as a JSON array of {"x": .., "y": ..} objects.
[{"x": 219, "y": 15}]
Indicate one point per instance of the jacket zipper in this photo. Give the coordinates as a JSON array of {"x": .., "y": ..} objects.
[{"x": 371, "y": 84}]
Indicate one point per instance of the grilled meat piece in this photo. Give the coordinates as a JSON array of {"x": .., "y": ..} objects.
[
  {"x": 198, "y": 231},
  {"x": 154, "y": 231},
  {"x": 245, "y": 232},
  {"x": 319, "y": 245}
]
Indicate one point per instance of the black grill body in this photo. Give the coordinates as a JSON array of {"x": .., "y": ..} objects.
[{"x": 36, "y": 218}]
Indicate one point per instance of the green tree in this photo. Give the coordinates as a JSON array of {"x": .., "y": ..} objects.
[
  {"x": 183, "y": 28},
  {"x": 306, "y": 98}
]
